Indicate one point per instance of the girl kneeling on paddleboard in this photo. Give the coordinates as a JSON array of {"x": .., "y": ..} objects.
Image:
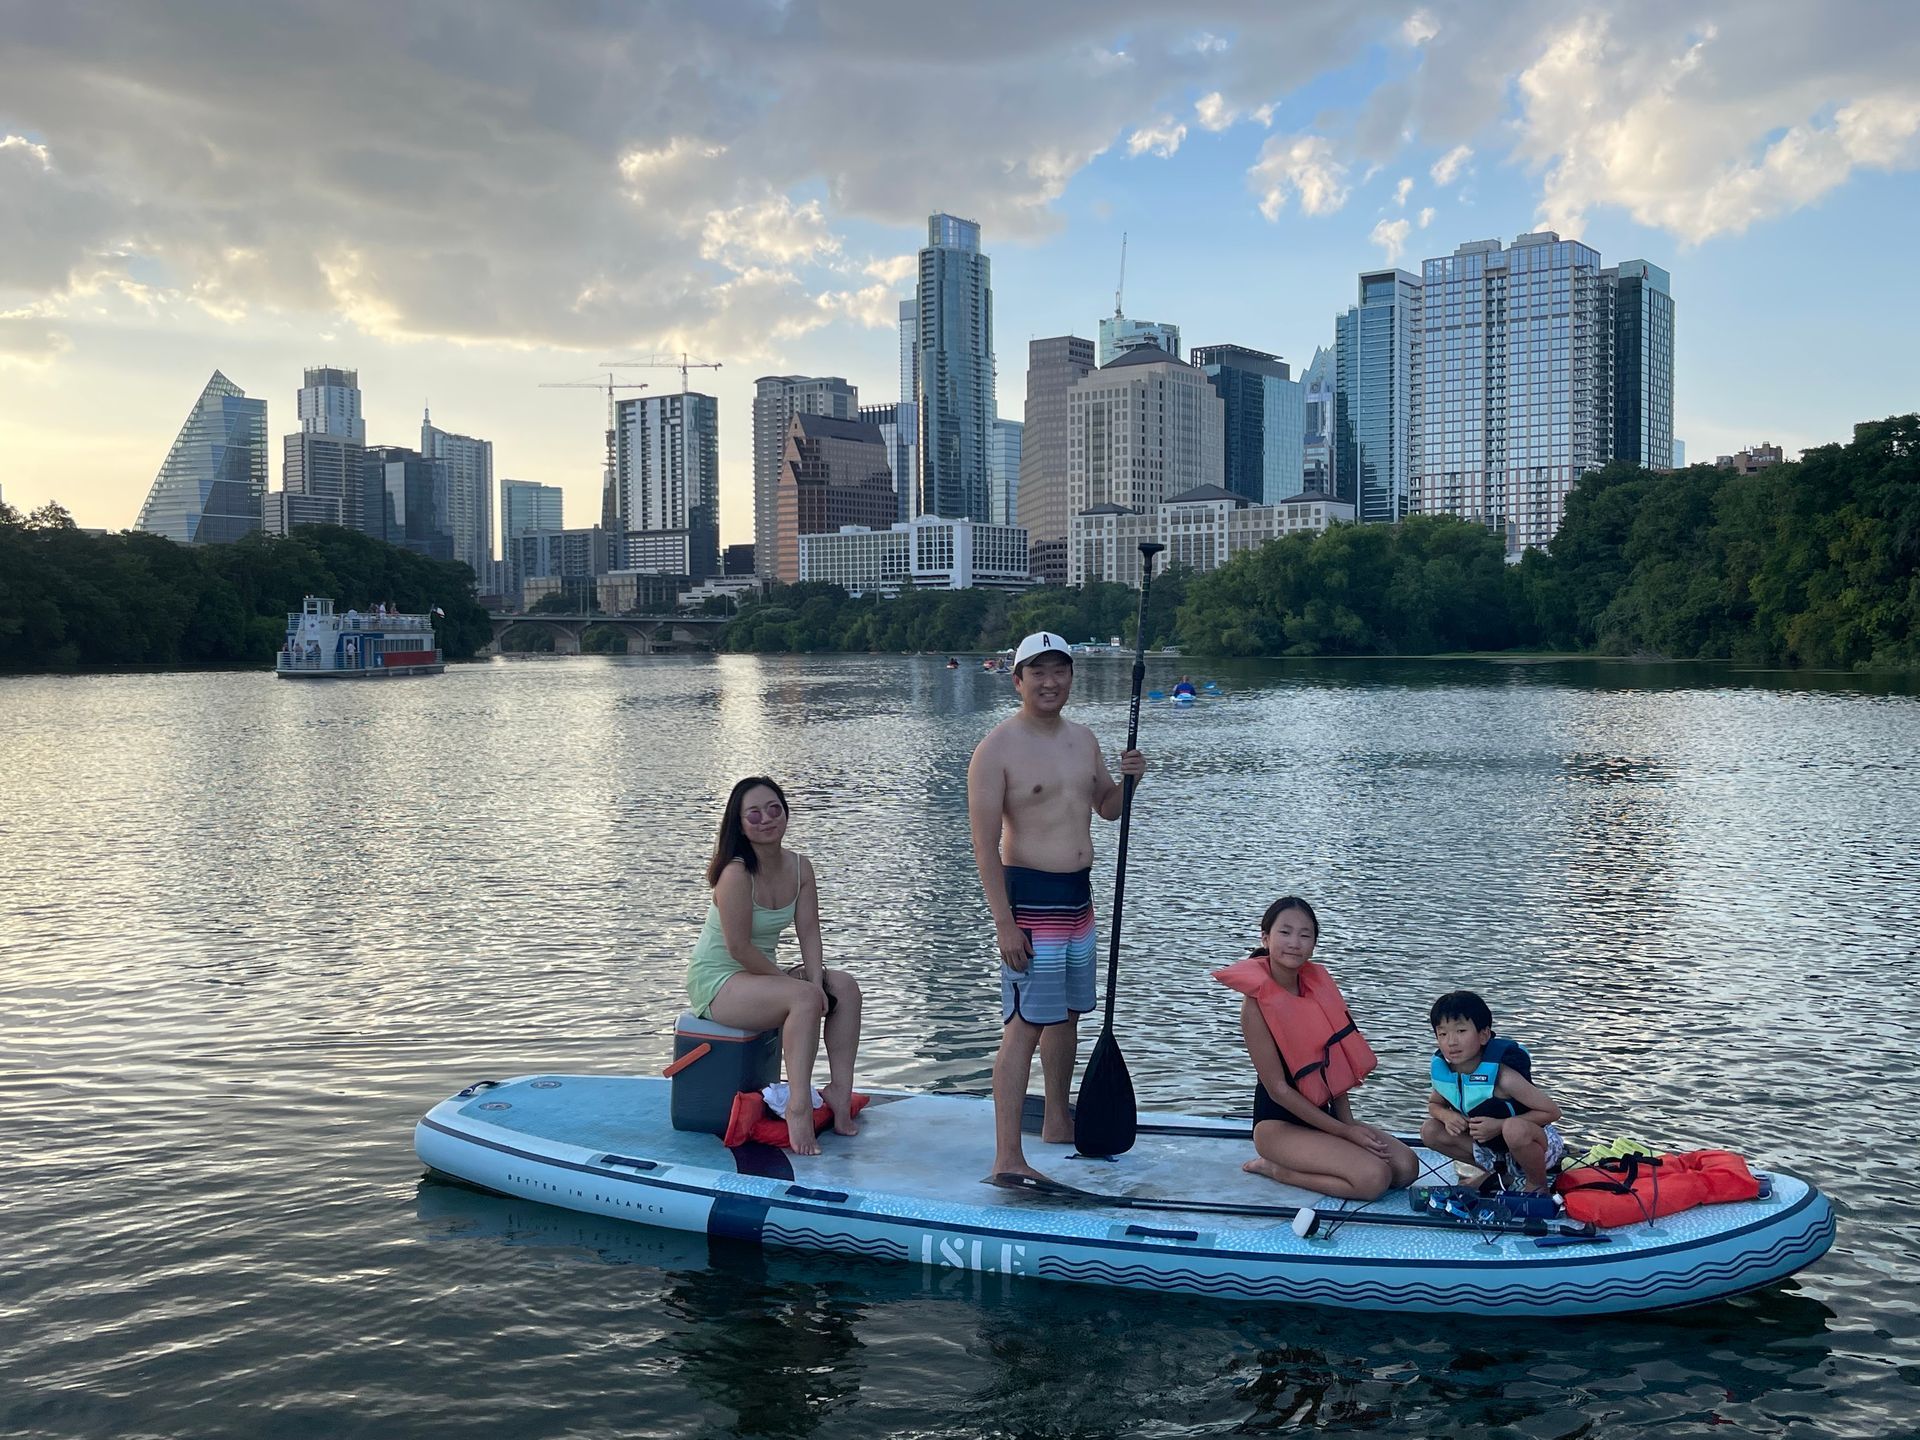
[
  {"x": 760, "y": 888},
  {"x": 1308, "y": 1054}
]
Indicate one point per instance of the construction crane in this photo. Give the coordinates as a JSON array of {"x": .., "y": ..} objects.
[
  {"x": 1121, "y": 288},
  {"x": 664, "y": 362},
  {"x": 606, "y": 479}
]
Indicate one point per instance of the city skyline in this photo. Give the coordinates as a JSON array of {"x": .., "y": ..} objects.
[{"x": 1258, "y": 165}]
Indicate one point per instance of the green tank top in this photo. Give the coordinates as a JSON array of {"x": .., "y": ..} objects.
[{"x": 712, "y": 966}]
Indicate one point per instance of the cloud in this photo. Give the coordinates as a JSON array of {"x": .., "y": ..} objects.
[
  {"x": 1659, "y": 125},
  {"x": 1402, "y": 191},
  {"x": 1214, "y": 112},
  {"x": 1391, "y": 236},
  {"x": 1161, "y": 138},
  {"x": 29, "y": 338},
  {"x": 1449, "y": 166},
  {"x": 1419, "y": 28},
  {"x": 1426, "y": 217},
  {"x": 1302, "y": 165},
  {"x": 772, "y": 229}
]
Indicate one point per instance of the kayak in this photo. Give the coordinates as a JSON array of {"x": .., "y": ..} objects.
[{"x": 1175, "y": 1214}]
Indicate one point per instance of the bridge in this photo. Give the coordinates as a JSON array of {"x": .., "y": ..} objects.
[{"x": 646, "y": 634}]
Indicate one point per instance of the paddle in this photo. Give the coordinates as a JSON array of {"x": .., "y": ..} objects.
[
  {"x": 1106, "y": 1119},
  {"x": 1058, "y": 1190}
]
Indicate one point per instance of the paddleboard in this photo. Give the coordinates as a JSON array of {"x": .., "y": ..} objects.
[{"x": 909, "y": 1188}]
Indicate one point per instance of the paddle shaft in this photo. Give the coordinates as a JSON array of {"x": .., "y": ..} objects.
[
  {"x": 1148, "y": 549},
  {"x": 1389, "y": 1218}
]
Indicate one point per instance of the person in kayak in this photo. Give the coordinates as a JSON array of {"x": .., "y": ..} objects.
[
  {"x": 1033, "y": 787},
  {"x": 1184, "y": 686},
  {"x": 1308, "y": 1054},
  {"x": 1482, "y": 1110},
  {"x": 760, "y": 888}
]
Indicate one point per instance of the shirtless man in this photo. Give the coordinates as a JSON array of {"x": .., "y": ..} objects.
[{"x": 1033, "y": 788}]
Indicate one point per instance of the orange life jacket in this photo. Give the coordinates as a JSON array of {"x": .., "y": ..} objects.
[
  {"x": 1638, "y": 1187},
  {"x": 1324, "y": 1053}
]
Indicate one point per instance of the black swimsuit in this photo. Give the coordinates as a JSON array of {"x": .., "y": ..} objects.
[{"x": 1265, "y": 1107}]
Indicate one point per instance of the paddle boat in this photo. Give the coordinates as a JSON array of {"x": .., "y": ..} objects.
[
  {"x": 1174, "y": 1214},
  {"x": 323, "y": 645}
]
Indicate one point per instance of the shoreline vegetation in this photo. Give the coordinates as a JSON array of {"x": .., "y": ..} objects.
[
  {"x": 1809, "y": 565},
  {"x": 71, "y": 601}
]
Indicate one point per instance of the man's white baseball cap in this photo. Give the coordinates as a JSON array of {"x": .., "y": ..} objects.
[{"x": 1039, "y": 643}]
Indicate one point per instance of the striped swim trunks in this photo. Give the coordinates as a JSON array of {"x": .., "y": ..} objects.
[{"x": 1056, "y": 912}]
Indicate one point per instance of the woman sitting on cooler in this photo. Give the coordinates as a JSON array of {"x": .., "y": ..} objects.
[{"x": 759, "y": 889}]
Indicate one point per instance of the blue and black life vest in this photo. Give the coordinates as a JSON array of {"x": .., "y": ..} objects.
[{"x": 1472, "y": 1093}]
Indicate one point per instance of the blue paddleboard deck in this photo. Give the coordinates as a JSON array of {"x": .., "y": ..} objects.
[{"x": 910, "y": 1188}]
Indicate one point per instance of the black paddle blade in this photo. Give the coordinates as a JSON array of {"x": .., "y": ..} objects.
[{"x": 1105, "y": 1118}]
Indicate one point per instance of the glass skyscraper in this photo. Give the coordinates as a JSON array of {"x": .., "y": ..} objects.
[
  {"x": 209, "y": 488},
  {"x": 1536, "y": 366},
  {"x": 467, "y": 484},
  {"x": 953, "y": 316},
  {"x": 1265, "y": 420},
  {"x": 1003, "y": 472},
  {"x": 1317, "y": 470},
  {"x": 1643, "y": 365},
  {"x": 1376, "y": 352},
  {"x": 667, "y": 474},
  {"x": 527, "y": 506}
]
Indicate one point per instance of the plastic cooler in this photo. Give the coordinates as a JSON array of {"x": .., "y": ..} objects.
[{"x": 736, "y": 1060}]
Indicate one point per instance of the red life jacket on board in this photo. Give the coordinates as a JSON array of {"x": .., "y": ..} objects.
[
  {"x": 1323, "y": 1052},
  {"x": 1629, "y": 1190}
]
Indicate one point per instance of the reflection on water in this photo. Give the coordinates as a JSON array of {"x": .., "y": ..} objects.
[{"x": 252, "y": 930}]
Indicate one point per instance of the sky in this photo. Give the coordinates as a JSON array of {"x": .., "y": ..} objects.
[{"x": 465, "y": 199}]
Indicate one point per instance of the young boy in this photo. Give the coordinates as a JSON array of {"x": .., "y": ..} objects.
[{"x": 1481, "y": 1109}]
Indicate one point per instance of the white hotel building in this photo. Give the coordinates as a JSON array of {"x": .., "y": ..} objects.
[
  {"x": 926, "y": 552},
  {"x": 1202, "y": 529}
]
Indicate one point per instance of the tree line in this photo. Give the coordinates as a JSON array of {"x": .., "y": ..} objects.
[
  {"x": 73, "y": 600},
  {"x": 1810, "y": 563}
]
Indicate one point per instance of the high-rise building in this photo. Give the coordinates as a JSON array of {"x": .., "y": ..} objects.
[
  {"x": 1140, "y": 429},
  {"x": 1118, "y": 335},
  {"x": 1003, "y": 473},
  {"x": 895, "y": 424},
  {"x": 906, "y": 476},
  {"x": 1376, "y": 354},
  {"x": 953, "y": 310},
  {"x": 1318, "y": 472},
  {"x": 1265, "y": 410},
  {"x": 776, "y": 400},
  {"x": 1643, "y": 365},
  {"x": 834, "y": 473},
  {"x": 1053, "y": 365},
  {"x": 404, "y": 497},
  {"x": 1517, "y": 391},
  {"x": 667, "y": 477},
  {"x": 467, "y": 485},
  {"x": 330, "y": 470},
  {"x": 329, "y": 404},
  {"x": 526, "y": 506},
  {"x": 210, "y": 486}
]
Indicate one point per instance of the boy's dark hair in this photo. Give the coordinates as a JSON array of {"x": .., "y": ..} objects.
[{"x": 1460, "y": 1005}]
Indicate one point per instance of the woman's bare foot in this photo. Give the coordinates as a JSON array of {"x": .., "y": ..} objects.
[
  {"x": 838, "y": 1101},
  {"x": 800, "y": 1132},
  {"x": 1056, "y": 1132},
  {"x": 1262, "y": 1166}
]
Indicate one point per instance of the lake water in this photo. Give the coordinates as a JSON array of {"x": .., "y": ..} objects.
[{"x": 252, "y": 929}]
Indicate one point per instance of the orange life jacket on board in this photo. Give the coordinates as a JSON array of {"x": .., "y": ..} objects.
[{"x": 1323, "y": 1052}]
